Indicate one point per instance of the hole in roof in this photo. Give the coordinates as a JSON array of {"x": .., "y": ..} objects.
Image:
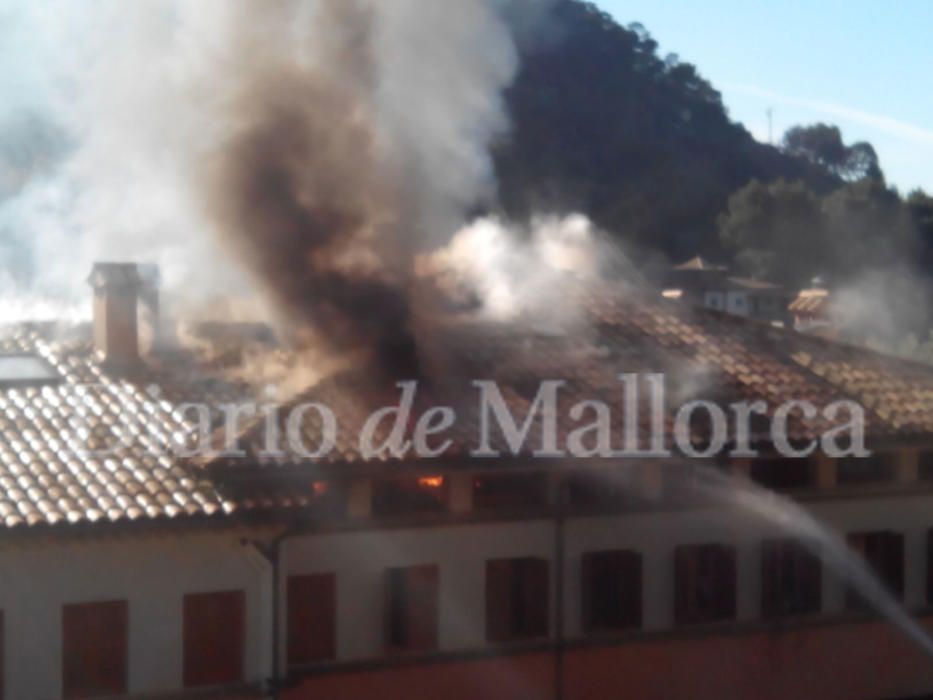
[{"x": 23, "y": 369}]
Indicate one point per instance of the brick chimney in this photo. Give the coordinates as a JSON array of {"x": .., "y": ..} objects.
[{"x": 116, "y": 292}]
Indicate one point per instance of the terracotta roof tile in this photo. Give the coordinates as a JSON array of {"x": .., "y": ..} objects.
[
  {"x": 48, "y": 434},
  {"x": 47, "y": 475}
]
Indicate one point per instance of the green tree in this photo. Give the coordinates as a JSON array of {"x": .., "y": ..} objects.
[
  {"x": 822, "y": 145},
  {"x": 773, "y": 230}
]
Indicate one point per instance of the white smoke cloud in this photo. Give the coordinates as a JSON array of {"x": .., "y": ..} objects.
[
  {"x": 526, "y": 271},
  {"x": 145, "y": 93}
]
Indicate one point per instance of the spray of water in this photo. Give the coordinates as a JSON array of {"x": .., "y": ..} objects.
[{"x": 710, "y": 485}]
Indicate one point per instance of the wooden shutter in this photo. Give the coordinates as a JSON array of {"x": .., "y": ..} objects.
[
  {"x": 589, "y": 601},
  {"x": 811, "y": 573},
  {"x": 312, "y": 618},
  {"x": 422, "y": 590},
  {"x": 685, "y": 577},
  {"x": 772, "y": 553},
  {"x": 723, "y": 559},
  {"x": 630, "y": 563},
  {"x": 94, "y": 649},
  {"x": 498, "y": 600},
  {"x": 857, "y": 541},
  {"x": 214, "y": 628},
  {"x": 884, "y": 554},
  {"x": 534, "y": 577},
  {"x": 611, "y": 590},
  {"x": 412, "y": 607},
  {"x": 892, "y": 562},
  {"x": 704, "y": 587}
]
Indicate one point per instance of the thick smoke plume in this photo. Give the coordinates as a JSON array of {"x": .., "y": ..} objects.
[{"x": 323, "y": 143}]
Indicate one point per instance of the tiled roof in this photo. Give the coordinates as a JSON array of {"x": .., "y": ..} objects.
[
  {"x": 48, "y": 476},
  {"x": 759, "y": 285},
  {"x": 810, "y": 302},
  {"x": 699, "y": 263},
  {"x": 84, "y": 448},
  {"x": 704, "y": 354}
]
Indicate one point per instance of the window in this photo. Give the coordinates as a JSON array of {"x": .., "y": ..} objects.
[
  {"x": 884, "y": 554},
  {"x": 781, "y": 474},
  {"x": 94, "y": 649},
  {"x": 494, "y": 491},
  {"x": 791, "y": 579},
  {"x": 604, "y": 490},
  {"x": 411, "y": 608},
  {"x": 516, "y": 599},
  {"x": 21, "y": 369},
  {"x": 704, "y": 586},
  {"x": 213, "y": 638},
  {"x": 327, "y": 498},
  {"x": 312, "y": 602},
  {"x": 865, "y": 470},
  {"x": 611, "y": 590},
  {"x": 426, "y": 494}
]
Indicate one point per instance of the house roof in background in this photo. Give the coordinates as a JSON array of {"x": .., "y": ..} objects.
[
  {"x": 48, "y": 476},
  {"x": 701, "y": 264}
]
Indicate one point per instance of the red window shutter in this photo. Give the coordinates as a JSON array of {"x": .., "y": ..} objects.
[
  {"x": 884, "y": 554},
  {"x": 498, "y": 600},
  {"x": 725, "y": 582},
  {"x": 685, "y": 577},
  {"x": 412, "y": 608},
  {"x": 771, "y": 568},
  {"x": 611, "y": 590},
  {"x": 535, "y": 597},
  {"x": 94, "y": 649},
  {"x": 312, "y": 618},
  {"x": 214, "y": 628},
  {"x": 630, "y": 573},
  {"x": 858, "y": 541},
  {"x": 589, "y": 571},
  {"x": 893, "y": 562},
  {"x": 422, "y": 590}
]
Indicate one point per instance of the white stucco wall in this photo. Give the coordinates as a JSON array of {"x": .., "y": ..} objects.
[
  {"x": 153, "y": 573},
  {"x": 359, "y": 561}
]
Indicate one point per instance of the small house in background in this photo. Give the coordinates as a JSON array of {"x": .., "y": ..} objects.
[
  {"x": 701, "y": 282},
  {"x": 812, "y": 312}
]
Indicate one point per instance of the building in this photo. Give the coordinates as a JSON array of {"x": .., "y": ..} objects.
[
  {"x": 703, "y": 283},
  {"x": 813, "y": 313},
  {"x": 133, "y": 571}
]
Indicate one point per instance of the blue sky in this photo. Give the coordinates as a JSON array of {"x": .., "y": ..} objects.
[{"x": 865, "y": 65}]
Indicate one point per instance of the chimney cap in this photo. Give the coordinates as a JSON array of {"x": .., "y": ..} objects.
[{"x": 114, "y": 276}]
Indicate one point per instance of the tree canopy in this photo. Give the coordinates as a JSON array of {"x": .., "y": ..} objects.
[{"x": 644, "y": 145}]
